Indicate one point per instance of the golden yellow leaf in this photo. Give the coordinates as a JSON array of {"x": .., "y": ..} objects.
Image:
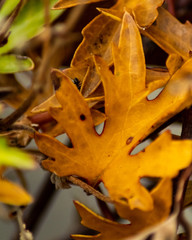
[
  {"x": 171, "y": 35},
  {"x": 104, "y": 29},
  {"x": 44, "y": 107},
  {"x": 130, "y": 118},
  {"x": 97, "y": 38},
  {"x": 13, "y": 194},
  {"x": 139, "y": 220},
  {"x": 145, "y": 12},
  {"x": 156, "y": 78},
  {"x": 173, "y": 63}
]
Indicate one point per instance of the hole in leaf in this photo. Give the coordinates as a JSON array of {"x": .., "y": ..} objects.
[
  {"x": 154, "y": 94},
  {"x": 175, "y": 128},
  {"x": 103, "y": 189},
  {"x": 149, "y": 182},
  {"x": 99, "y": 128},
  {"x": 64, "y": 138},
  {"x": 140, "y": 147},
  {"x": 82, "y": 117},
  {"x": 123, "y": 221}
]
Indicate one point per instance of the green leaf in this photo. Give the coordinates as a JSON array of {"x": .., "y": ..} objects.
[
  {"x": 28, "y": 23},
  {"x": 7, "y": 8},
  {"x": 14, "y": 157},
  {"x": 15, "y": 63}
]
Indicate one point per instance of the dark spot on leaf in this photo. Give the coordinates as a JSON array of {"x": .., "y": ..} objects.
[
  {"x": 124, "y": 199},
  {"x": 82, "y": 117},
  {"x": 190, "y": 53},
  {"x": 129, "y": 140}
]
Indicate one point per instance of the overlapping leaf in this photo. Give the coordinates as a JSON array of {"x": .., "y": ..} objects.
[
  {"x": 102, "y": 30},
  {"x": 130, "y": 118},
  {"x": 171, "y": 35},
  {"x": 139, "y": 220},
  {"x": 163, "y": 230},
  {"x": 145, "y": 12}
]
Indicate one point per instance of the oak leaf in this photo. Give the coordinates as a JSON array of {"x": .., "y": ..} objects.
[
  {"x": 139, "y": 220},
  {"x": 130, "y": 118}
]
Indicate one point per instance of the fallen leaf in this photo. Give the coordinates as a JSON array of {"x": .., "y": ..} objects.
[{"x": 94, "y": 157}]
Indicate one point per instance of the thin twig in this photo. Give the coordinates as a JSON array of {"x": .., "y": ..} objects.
[
  {"x": 89, "y": 189},
  {"x": 24, "y": 234},
  {"x": 44, "y": 197},
  {"x": 21, "y": 127}
]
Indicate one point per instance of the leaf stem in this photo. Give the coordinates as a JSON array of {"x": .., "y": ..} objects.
[
  {"x": 88, "y": 189},
  {"x": 21, "y": 127}
]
